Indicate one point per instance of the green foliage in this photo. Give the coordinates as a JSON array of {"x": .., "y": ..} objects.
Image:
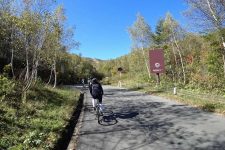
[
  {"x": 140, "y": 32},
  {"x": 214, "y": 62},
  {"x": 6, "y": 87},
  {"x": 201, "y": 56},
  {"x": 7, "y": 70},
  {"x": 38, "y": 123},
  {"x": 34, "y": 35},
  {"x": 34, "y": 139},
  {"x": 206, "y": 82},
  {"x": 160, "y": 35}
]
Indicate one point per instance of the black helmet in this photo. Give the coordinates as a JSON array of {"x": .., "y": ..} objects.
[{"x": 94, "y": 80}]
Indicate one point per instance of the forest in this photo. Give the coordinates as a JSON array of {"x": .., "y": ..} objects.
[
  {"x": 35, "y": 44},
  {"x": 35, "y": 61},
  {"x": 194, "y": 60}
]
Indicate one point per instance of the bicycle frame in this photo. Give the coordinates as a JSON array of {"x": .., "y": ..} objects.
[
  {"x": 105, "y": 117},
  {"x": 99, "y": 111}
]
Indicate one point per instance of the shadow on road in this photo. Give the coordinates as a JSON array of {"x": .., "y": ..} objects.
[
  {"x": 108, "y": 120},
  {"x": 125, "y": 115},
  {"x": 111, "y": 118},
  {"x": 170, "y": 125},
  {"x": 144, "y": 122}
]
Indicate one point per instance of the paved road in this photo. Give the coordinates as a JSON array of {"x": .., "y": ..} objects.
[{"x": 146, "y": 122}]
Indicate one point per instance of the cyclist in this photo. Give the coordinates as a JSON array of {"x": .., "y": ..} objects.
[
  {"x": 83, "y": 82},
  {"x": 96, "y": 91}
]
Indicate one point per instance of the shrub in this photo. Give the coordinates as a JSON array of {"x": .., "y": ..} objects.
[{"x": 6, "y": 87}]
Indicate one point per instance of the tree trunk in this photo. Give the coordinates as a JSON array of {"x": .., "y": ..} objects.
[
  {"x": 146, "y": 63},
  {"x": 13, "y": 74},
  {"x": 50, "y": 77},
  {"x": 30, "y": 80},
  {"x": 12, "y": 56},
  {"x": 174, "y": 54},
  {"x": 55, "y": 81},
  {"x": 174, "y": 80},
  {"x": 182, "y": 63},
  {"x": 175, "y": 59},
  {"x": 212, "y": 13},
  {"x": 36, "y": 70},
  {"x": 223, "y": 54},
  {"x": 22, "y": 74},
  {"x": 27, "y": 64},
  {"x": 181, "y": 59}
]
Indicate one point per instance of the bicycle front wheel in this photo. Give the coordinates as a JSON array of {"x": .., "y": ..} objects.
[{"x": 100, "y": 116}]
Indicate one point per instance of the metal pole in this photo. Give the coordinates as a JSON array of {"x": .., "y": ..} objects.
[{"x": 158, "y": 78}]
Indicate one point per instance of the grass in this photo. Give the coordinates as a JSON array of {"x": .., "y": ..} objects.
[
  {"x": 38, "y": 124},
  {"x": 206, "y": 100}
]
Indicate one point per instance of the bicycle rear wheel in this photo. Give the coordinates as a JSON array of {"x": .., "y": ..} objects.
[{"x": 99, "y": 114}]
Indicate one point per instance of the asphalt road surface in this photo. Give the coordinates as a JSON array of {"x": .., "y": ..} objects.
[{"x": 145, "y": 122}]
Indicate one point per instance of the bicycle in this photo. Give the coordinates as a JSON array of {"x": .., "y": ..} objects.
[
  {"x": 105, "y": 117},
  {"x": 99, "y": 111}
]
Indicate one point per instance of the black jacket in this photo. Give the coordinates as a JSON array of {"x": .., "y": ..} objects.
[{"x": 96, "y": 89}]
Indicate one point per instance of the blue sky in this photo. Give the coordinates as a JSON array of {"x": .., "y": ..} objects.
[{"x": 101, "y": 25}]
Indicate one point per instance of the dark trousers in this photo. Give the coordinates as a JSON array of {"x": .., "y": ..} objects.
[{"x": 99, "y": 97}]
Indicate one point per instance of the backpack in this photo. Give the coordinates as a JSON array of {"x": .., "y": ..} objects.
[{"x": 96, "y": 90}]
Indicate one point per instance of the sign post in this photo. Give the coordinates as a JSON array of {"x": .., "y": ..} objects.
[
  {"x": 158, "y": 78},
  {"x": 157, "y": 66},
  {"x": 120, "y": 69}
]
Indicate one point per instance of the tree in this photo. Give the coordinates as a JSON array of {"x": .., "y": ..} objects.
[
  {"x": 160, "y": 35},
  {"x": 34, "y": 42},
  {"x": 141, "y": 35},
  {"x": 175, "y": 33},
  {"x": 209, "y": 15}
]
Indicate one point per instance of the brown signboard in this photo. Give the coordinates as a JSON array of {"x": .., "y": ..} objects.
[{"x": 156, "y": 57}]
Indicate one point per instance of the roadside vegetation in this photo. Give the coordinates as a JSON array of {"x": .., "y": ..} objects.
[
  {"x": 38, "y": 123},
  {"x": 34, "y": 63},
  {"x": 210, "y": 101},
  {"x": 194, "y": 61}
]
